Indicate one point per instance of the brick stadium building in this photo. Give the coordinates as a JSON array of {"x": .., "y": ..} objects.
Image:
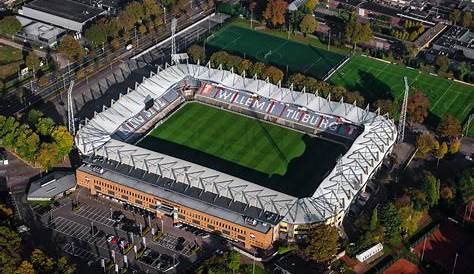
[{"x": 245, "y": 212}]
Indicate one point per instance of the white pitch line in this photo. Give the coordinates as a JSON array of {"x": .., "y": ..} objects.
[{"x": 439, "y": 99}]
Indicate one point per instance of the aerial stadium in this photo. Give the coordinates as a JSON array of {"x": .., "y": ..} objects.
[{"x": 238, "y": 156}]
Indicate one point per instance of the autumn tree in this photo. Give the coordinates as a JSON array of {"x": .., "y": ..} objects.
[
  {"x": 467, "y": 19},
  {"x": 151, "y": 8},
  {"x": 25, "y": 268},
  {"x": 126, "y": 21},
  {"x": 63, "y": 140},
  {"x": 440, "y": 151},
  {"x": 431, "y": 186},
  {"x": 442, "y": 62},
  {"x": 449, "y": 127},
  {"x": 455, "y": 146},
  {"x": 310, "y": 5},
  {"x": 425, "y": 143},
  {"x": 274, "y": 74},
  {"x": 455, "y": 16},
  {"x": 466, "y": 185},
  {"x": 309, "y": 24},
  {"x": 10, "y": 243},
  {"x": 322, "y": 243},
  {"x": 196, "y": 53},
  {"x": 447, "y": 193},
  {"x": 274, "y": 12},
  {"x": 218, "y": 58},
  {"x": 410, "y": 219},
  {"x": 385, "y": 106},
  {"x": 257, "y": 68},
  {"x": 135, "y": 11},
  {"x": 244, "y": 65},
  {"x": 48, "y": 156},
  {"x": 417, "y": 107},
  {"x": 32, "y": 61},
  {"x": 71, "y": 48}
]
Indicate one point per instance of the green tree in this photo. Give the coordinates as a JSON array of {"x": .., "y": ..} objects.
[
  {"x": 152, "y": 9},
  {"x": 27, "y": 143},
  {"x": 449, "y": 127},
  {"x": 41, "y": 262},
  {"x": 233, "y": 261},
  {"x": 71, "y": 48},
  {"x": 374, "y": 220},
  {"x": 9, "y": 26},
  {"x": 63, "y": 139},
  {"x": 196, "y": 53},
  {"x": 32, "y": 61},
  {"x": 10, "y": 243},
  {"x": 310, "y": 5},
  {"x": 464, "y": 69},
  {"x": 357, "y": 33},
  {"x": 45, "y": 126},
  {"x": 33, "y": 117},
  {"x": 135, "y": 11},
  {"x": 322, "y": 243},
  {"x": 391, "y": 223},
  {"x": 96, "y": 34},
  {"x": 309, "y": 24},
  {"x": 219, "y": 57},
  {"x": 466, "y": 185},
  {"x": 410, "y": 219},
  {"x": 431, "y": 186}
]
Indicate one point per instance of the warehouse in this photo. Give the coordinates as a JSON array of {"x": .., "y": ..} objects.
[{"x": 63, "y": 13}]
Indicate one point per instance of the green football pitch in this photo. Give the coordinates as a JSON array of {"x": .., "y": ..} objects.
[
  {"x": 274, "y": 50},
  {"x": 376, "y": 79},
  {"x": 266, "y": 154}
]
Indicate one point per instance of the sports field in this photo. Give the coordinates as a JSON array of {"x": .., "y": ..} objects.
[
  {"x": 269, "y": 155},
  {"x": 376, "y": 79},
  {"x": 275, "y": 50}
]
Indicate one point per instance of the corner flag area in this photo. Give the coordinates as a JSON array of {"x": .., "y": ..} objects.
[
  {"x": 275, "y": 157},
  {"x": 274, "y": 50}
]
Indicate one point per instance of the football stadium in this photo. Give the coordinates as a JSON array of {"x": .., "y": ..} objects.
[{"x": 241, "y": 157}]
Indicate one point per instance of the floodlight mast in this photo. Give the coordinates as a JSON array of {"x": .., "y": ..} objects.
[
  {"x": 173, "y": 32},
  {"x": 403, "y": 113},
  {"x": 70, "y": 110}
]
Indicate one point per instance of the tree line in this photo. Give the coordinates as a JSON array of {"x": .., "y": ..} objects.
[
  {"x": 36, "y": 139},
  {"x": 16, "y": 259}
]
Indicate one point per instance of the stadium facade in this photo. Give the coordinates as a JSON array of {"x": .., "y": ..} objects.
[{"x": 240, "y": 210}]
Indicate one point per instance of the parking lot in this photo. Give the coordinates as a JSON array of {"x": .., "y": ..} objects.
[
  {"x": 96, "y": 214},
  {"x": 178, "y": 244}
]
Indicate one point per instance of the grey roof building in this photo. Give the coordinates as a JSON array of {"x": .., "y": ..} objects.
[
  {"x": 68, "y": 14},
  {"x": 456, "y": 39},
  {"x": 51, "y": 186},
  {"x": 38, "y": 32}
]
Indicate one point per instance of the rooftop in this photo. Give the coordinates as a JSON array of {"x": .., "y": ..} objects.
[
  {"x": 51, "y": 185},
  {"x": 68, "y": 9},
  {"x": 175, "y": 191}
]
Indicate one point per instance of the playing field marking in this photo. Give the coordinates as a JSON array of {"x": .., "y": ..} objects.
[
  {"x": 454, "y": 100},
  {"x": 439, "y": 99},
  {"x": 312, "y": 64}
]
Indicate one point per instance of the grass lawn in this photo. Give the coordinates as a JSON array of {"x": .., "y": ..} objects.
[
  {"x": 9, "y": 54},
  {"x": 376, "y": 79},
  {"x": 271, "y": 49},
  {"x": 246, "y": 148}
]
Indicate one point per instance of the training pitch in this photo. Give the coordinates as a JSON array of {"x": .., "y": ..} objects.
[
  {"x": 379, "y": 80},
  {"x": 263, "y": 153},
  {"x": 275, "y": 50}
]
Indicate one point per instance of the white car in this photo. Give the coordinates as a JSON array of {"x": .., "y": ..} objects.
[{"x": 129, "y": 47}]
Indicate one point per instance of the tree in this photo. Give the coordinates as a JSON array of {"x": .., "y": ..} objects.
[
  {"x": 309, "y": 24},
  {"x": 385, "y": 106},
  {"x": 466, "y": 185},
  {"x": 196, "y": 53},
  {"x": 410, "y": 219},
  {"x": 425, "y": 144},
  {"x": 41, "y": 262},
  {"x": 464, "y": 69},
  {"x": 374, "y": 220},
  {"x": 274, "y": 74},
  {"x": 9, "y": 26},
  {"x": 96, "y": 34},
  {"x": 219, "y": 57},
  {"x": 449, "y": 127},
  {"x": 135, "y": 11},
  {"x": 298, "y": 80},
  {"x": 391, "y": 223},
  {"x": 142, "y": 29},
  {"x": 455, "y": 146},
  {"x": 32, "y": 61},
  {"x": 25, "y": 268},
  {"x": 45, "y": 126},
  {"x": 310, "y": 5},
  {"x": 417, "y": 107},
  {"x": 125, "y": 21},
  {"x": 455, "y": 16},
  {"x": 322, "y": 243},
  {"x": 357, "y": 33},
  {"x": 10, "y": 243},
  {"x": 442, "y": 62},
  {"x": 257, "y": 68},
  {"x": 274, "y": 12},
  {"x": 48, "y": 156},
  {"x": 71, "y": 48},
  {"x": 33, "y": 117},
  {"x": 440, "y": 151},
  {"x": 467, "y": 19},
  {"x": 115, "y": 43},
  {"x": 233, "y": 261},
  {"x": 63, "y": 139},
  {"x": 431, "y": 186},
  {"x": 151, "y": 7},
  {"x": 244, "y": 65},
  {"x": 447, "y": 193}
]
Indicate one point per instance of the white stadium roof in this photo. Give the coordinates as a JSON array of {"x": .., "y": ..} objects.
[{"x": 334, "y": 193}]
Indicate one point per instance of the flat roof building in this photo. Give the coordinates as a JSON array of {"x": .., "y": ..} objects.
[
  {"x": 38, "y": 32},
  {"x": 52, "y": 186},
  {"x": 68, "y": 14}
]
